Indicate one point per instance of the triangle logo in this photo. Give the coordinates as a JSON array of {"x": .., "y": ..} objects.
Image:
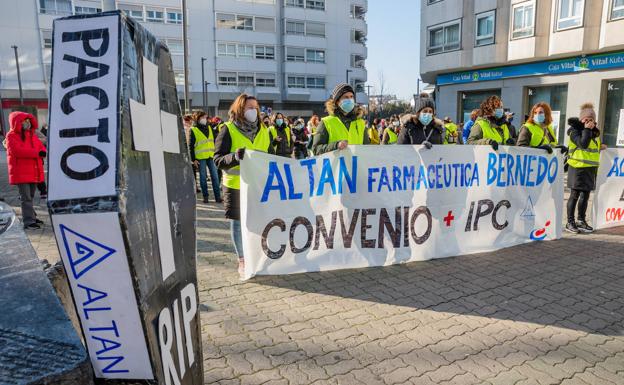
[
  {"x": 83, "y": 252},
  {"x": 529, "y": 210}
]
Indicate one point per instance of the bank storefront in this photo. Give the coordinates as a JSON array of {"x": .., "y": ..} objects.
[{"x": 565, "y": 84}]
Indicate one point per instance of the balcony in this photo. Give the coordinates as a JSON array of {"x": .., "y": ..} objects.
[
  {"x": 358, "y": 36},
  {"x": 358, "y": 12}
]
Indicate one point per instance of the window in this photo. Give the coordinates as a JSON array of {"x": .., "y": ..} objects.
[
  {"x": 523, "y": 20},
  {"x": 244, "y": 22},
  {"x": 295, "y": 28},
  {"x": 245, "y": 50},
  {"x": 265, "y": 52},
  {"x": 570, "y": 14},
  {"x": 55, "y": 7},
  {"x": 86, "y": 10},
  {"x": 176, "y": 47},
  {"x": 617, "y": 9},
  {"x": 179, "y": 77},
  {"x": 357, "y": 61},
  {"x": 174, "y": 17},
  {"x": 485, "y": 28},
  {"x": 265, "y": 80},
  {"x": 227, "y": 78},
  {"x": 315, "y": 82},
  {"x": 614, "y": 108},
  {"x": 226, "y": 49},
  {"x": 315, "y": 56},
  {"x": 472, "y": 100},
  {"x": 358, "y": 36},
  {"x": 46, "y": 38},
  {"x": 245, "y": 79},
  {"x": 296, "y": 82},
  {"x": 295, "y": 54},
  {"x": 134, "y": 11},
  {"x": 444, "y": 38},
  {"x": 226, "y": 21},
  {"x": 295, "y": 3},
  {"x": 315, "y": 4},
  {"x": 315, "y": 29},
  {"x": 357, "y": 11},
  {"x": 155, "y": 16},
  {"x": 265, "y": 24}
]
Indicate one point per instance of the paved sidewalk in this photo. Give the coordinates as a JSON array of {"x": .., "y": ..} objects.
[{"x": 543, "y": 313}]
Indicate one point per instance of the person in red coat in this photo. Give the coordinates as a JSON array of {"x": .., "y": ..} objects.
[{"x": 25, "y": 154}]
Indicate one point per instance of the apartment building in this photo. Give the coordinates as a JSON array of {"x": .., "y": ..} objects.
[
  {"x": 564, "y": 52},
  {"x": 288, "y": 53}
]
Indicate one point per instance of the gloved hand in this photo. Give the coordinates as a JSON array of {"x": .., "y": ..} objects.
[
  {"x": 239, "y": 154},
  {"x": 427, "y": 144},
  {"x": 494, "y": 144},
  {"x": 564, "y": 149},
  {"x": 510, "y": 142},
  {"x": 547, "y": 148},
  {"x": 42, "y": 154}
]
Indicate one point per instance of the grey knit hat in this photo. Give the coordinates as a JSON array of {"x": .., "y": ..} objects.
[
  {"x": 341, "y": 89},
  {"x": 422, "y": 102}
]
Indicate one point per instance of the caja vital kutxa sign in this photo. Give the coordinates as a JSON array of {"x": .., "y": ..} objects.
[{"x": 122, "y": 199}]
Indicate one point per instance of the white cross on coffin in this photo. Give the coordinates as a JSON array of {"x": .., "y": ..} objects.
[{"x": 156, "y": 132}]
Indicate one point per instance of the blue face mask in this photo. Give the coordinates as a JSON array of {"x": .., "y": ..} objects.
[
  {"x": 279, "y": 122},
  {"x": 539, "y": 118},
  {"x": 425, "y": 118},
  {"x": 347, "y": 105},
  {"x": 498, "y": 113}
]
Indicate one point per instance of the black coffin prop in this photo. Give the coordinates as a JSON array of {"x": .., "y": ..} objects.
[{"x": 122, "y": 199}]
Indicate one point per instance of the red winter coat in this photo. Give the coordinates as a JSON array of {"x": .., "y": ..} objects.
[{"x": 25, "y": 164}]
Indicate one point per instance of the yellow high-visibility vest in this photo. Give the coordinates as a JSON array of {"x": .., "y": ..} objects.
[
  {"x": 584, "y": 157},
  {"x": 204, "y": 146},
  {"x": 337, "y": 130},
  {"x": 490, "y": 132},
  {"x": 262, "y": 141}
]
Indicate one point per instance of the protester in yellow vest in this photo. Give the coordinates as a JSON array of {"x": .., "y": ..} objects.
[
  {"x": 373, "y": 135},
  {"x": 490, "y": 127},
  {"x": 451, "y": 131},
  {"x": 244, "y": 131},
  {"x": 538, "y": 131},
  {"x": 390, "y": 135},
  {"x": 344, "y": 124},
  {"x": 583, "y": 162},
  {"x": 282, "y": 136},
  {"x": 202, "y": 145}
]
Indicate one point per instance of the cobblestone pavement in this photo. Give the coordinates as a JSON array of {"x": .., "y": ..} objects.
[{"x": 543, "y": 313}]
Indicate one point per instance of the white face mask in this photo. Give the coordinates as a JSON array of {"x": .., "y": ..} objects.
[
  {"x": 203, "y": 121},
  {"x": 251, "y": 115}
]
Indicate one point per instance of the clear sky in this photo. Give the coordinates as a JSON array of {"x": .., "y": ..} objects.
[{"x": 393, "y": 45}]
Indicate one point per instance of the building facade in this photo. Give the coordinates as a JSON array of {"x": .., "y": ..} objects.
[
  {"x": 564, "y": 52},
  {"x": 27, "y": 24},
  {"x": 289, "y": 53}
]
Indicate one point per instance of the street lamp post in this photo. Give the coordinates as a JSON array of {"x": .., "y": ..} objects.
[
  {"x": 19, "y": 76},
  {"x": 203, "y": 61},
  {"x": 186, "y": 58},
  {"x": 206, "y": 83},
  {"x": 348, "y": 71}
]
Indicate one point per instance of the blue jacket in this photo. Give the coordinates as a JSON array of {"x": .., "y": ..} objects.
[{"x": 466, "y": 131}]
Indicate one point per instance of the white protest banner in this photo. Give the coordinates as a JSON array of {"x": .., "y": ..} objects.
[
  {"x": 374, "y": 206},
  {"x": 608, "y": 207}
]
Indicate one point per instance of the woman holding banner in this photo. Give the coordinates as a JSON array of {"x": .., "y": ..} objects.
[
  {"x": 583, "y": 162},
  {"x": 490, "y": 127},
  {"x": 422, "y": 127},
  {"x": 245, "y": 130},
  {"x": 332, "y": 133},
  {"x": 538, "y": 130}
]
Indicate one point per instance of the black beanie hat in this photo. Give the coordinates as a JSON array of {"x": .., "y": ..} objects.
[
  {"x": 341, "y": 89},
  {"x": 422, "y": 102}
]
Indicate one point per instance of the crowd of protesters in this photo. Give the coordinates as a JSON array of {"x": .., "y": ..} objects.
[
  {"x": 216, "y": 147},
  {"x": 344, "y": 124}
]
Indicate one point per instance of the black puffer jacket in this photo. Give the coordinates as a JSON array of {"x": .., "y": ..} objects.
[
  {"x": 584, "y": 178},
  {"x": 413, "y": 132}
]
